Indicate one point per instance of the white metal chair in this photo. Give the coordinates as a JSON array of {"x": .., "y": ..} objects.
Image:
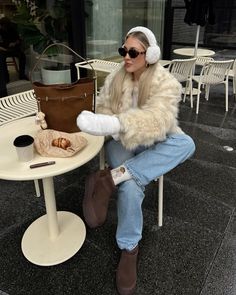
[
  {"x": 232, "y": 74},
  {"x": 18, "y": 106},
  {"x": 201, "y": 60},
  {"x": 213, "y": 73},
  {"x": 182, "y": 70}
]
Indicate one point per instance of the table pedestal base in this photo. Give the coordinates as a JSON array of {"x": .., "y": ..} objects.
[{"x": 42, "y": 250}]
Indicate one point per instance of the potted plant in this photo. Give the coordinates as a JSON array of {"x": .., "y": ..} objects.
[{"x": 40, "y": 25}]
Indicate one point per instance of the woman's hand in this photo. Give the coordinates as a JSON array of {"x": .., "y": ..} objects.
[{"x": 98, "y": 124}]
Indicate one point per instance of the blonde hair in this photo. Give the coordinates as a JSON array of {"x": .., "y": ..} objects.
[{"x": 144, "y": 80}]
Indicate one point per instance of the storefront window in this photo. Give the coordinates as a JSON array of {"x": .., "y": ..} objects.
[{"x": 108, "y": 21}]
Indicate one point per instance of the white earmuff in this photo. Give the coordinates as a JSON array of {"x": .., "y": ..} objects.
[{"x": 153, "y": 54}]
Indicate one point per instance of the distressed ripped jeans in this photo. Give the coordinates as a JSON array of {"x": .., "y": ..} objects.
[{"x": 145, "y": 165}]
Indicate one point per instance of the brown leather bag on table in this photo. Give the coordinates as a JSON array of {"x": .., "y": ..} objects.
[{"x": 62, "y": 103}]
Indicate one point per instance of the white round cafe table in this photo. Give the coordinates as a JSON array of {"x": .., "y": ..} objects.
[
  {"x": 190, "y": 51},
  {"x": 58, "y": 235}
]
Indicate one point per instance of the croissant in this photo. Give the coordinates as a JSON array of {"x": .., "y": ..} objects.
[{"x": 61, "y": 142}]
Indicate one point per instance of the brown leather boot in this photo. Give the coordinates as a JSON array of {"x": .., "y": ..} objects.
[
  {"x": 99, "y": 187},
  {"x": 126, "y": 275}
]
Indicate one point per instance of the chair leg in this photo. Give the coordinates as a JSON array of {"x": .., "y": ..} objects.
[
  {"x": 188, "y": 87},
  {"x": 198, "y": 98},
  {"x": 207, "y": 92},
  {"x": 234, "y": 85},
  {"x": 184, "y": 95},
  {"x": 185, "y": 91},
  {"x": 226, "y": 97},
  {"x": 160, "y": 200},
  {"x": 102, "y": 158},
  {"x": 191, "y": 94},
  {"x": 37, "y": 189}
]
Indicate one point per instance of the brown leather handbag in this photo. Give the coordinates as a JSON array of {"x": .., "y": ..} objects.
[{"x": 62, "y": 103}]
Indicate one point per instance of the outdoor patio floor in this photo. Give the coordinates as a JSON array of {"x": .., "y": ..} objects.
[{"x": 194, "y": 253}]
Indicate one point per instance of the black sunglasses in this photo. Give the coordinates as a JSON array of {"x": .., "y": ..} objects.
[{"x": 133, "y": 53}]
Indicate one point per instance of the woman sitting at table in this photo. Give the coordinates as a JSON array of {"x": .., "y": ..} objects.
[{"x": 138, "y": 107}]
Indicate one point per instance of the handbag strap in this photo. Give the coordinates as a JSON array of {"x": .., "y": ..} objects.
[{"x": 67, "y": 47}]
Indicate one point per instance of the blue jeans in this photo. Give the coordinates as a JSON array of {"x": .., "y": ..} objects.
[{"x": 145, "y": 165}]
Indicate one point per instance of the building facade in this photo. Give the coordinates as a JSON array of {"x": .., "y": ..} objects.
[{"x": 96, "y": 28}]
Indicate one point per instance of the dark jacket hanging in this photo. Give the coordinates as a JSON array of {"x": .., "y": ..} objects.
[{"x": 199, "y": 12}]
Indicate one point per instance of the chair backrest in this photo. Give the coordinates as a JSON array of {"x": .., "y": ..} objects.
[
  {"x": 201, "y": 60},
  {"x": 17, "y": 106},
  {"x": 215, "y": 72},
  {"x": 182, "y": 69}
]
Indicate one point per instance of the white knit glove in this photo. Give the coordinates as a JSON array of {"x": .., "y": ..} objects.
[{"x": 98, "y": 124}]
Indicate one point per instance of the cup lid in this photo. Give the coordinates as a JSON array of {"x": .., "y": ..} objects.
[{"x": 23, "y": 140}]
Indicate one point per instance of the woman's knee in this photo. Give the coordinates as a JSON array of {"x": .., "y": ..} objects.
[
  {"x": 187, "y": 145},
  {"x": 190, "y": 145}
]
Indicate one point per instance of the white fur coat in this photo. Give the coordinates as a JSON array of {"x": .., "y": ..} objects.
[{"x": 155, "y": 119}]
